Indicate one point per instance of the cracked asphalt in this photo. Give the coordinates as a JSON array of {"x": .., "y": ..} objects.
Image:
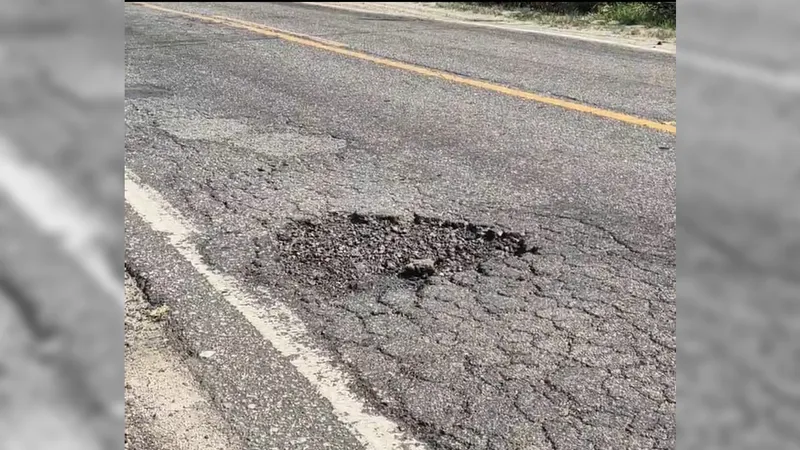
[{"x": 570, "y": 346}]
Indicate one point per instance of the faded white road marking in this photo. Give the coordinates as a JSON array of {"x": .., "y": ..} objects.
[
  {"x": 780, "y": 81},
  {"x": 277, "y": 324},
  {"x": 51, "y": 207}
]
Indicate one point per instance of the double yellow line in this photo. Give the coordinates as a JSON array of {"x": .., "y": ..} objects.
[{"x": 341, "y": 49}]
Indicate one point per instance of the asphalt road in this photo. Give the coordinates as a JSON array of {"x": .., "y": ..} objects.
[{"x": 312, "y": 177}]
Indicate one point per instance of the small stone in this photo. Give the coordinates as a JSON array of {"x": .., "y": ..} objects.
[
  {"x": 526, "y": 246},
  {"x": 206, "y": 354},
  {"x": 251, "y": 406},
  {"x": 419, "y": 268},
  {"x": 160, "y": 313}
]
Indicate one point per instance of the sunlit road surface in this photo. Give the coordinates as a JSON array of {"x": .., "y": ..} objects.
[{"x": 291, "y": 169}]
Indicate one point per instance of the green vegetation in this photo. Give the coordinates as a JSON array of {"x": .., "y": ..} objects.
[
  {"x": 659, "y": 16},
  {"x": 656, "y": 15}
]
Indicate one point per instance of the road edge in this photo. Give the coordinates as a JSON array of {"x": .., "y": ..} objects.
[
  {"x": 542, "y": 32},
  {"x": 166, "y": 408}
]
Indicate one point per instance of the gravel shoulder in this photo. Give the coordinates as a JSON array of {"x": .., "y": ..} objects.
[{"x": 165, "y": 407}]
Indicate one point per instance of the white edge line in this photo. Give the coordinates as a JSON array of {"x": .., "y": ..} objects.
[
  {"x": 278, "y": 325},
  {"x": 57, "y": 213},
  {"x": 663, "y": 51}
]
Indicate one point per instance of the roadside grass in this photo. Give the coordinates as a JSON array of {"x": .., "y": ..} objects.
[
  {"x": 634, "y": 13},
  {"x": 632, "y": 18}
]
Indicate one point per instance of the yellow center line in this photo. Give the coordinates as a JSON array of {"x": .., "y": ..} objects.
[{"x": 419, "y": 70}]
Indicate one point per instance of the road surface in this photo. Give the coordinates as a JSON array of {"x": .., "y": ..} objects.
[{"x": 381, "y": 233}]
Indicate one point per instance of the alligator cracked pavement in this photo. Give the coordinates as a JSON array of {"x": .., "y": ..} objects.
[{"x": 377, "y": 232}]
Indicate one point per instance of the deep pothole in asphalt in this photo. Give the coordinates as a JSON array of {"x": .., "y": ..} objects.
[{"x": 340, "y": 250}]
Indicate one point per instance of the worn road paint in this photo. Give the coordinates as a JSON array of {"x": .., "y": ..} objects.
[
  {"x": 278, "y": 325},
  {"x": 278, "y": 30},
  {"x": 50, "y": 206},
  {"x": 424, "y": 71}
]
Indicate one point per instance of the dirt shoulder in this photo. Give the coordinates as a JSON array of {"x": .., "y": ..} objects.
[
  {"x": 165, "y": 407},
  {"x": 630, "y": 36}
]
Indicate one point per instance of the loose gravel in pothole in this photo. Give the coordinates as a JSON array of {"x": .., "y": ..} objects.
[{"x": 340, "y": 250}]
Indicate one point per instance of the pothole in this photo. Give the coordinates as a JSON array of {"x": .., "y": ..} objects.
[{"x": 339, "y": 250}]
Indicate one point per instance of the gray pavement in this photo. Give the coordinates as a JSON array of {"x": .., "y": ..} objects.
[
  {"x": 549, "y": 319},
  {"x": 624, "y": 80}
]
